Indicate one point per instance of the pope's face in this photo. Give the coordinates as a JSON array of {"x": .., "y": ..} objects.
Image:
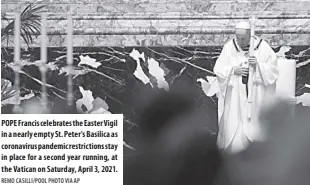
[{"x": 243, "y": 37}]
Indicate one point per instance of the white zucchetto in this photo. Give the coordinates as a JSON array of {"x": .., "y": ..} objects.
[{"x": 243, "y": 25}]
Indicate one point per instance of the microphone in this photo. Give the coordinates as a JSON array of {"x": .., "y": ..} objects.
[{"x": 245, "y": 79}]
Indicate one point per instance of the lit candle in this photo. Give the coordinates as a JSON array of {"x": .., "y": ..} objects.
[
  {"x": 287, "y": 78},
  {"x": 43, "y": 58},
  {"x": 17, "y": 61},
  {"x": 70, "y": 40},
  {"x": 286, "y": 83},
  {"x": 70, "y": 59}
]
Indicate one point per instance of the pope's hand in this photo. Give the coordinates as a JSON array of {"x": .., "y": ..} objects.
[
  {"x": 243, "y": 71},
  {"x": 252, "y": 60}
]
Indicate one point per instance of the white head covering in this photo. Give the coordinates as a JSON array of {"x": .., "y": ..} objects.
[{"x": 243, "y": 25}]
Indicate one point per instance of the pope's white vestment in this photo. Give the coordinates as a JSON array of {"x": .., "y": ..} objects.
[{"x": 235, "y": 129}]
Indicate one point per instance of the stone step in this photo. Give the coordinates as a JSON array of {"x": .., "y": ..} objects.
[
  {"x": 159, "y": 40},
  {"x": 138, "y": 9},
  {"x": 159, "y": 7},
  {"x": 143, "y": 1},
  {"x": 84, "y": 27},
  {"x": 266, "y": 15}
]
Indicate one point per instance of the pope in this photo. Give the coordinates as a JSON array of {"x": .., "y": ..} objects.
[{"x": 236, "y": 131}]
